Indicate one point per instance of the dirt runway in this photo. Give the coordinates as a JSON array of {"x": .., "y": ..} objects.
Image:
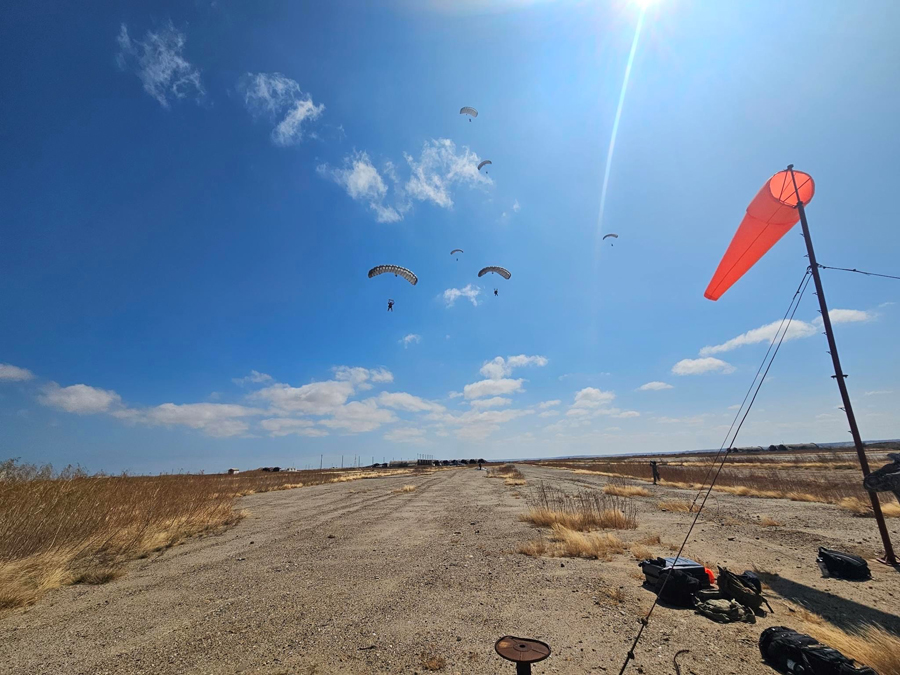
[{"x": 355, "y": 578}]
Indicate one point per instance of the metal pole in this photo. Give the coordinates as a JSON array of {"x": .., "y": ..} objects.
[{"x": 839, "y": 375}]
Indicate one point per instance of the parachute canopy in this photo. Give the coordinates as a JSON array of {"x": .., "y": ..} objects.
[
  {"x": 487, "y": 161},
  {"x": 396, "y": 270},
  {"x": 456, "y": 250},
  {"x": 466, "y": 110},
  {"x": 769, "y": 217},
  {"x": 499, "y": 270},
  {"x": 611, "y": 235}
]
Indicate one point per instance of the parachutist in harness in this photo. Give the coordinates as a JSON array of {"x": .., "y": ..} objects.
[
  {"x": 390, "y": 305},
  {"x": 495, "y": 292}
]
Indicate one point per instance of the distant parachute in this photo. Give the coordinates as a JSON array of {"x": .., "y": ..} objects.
[
  {"x": 396, "y": 270},
  {"x": 466, "y": 110},
  {"x": 503, "y": 272},
  {"x": 611, "y": 235},
  {"x": 487, "y": 161},
  {"x": 456, "y": 250}
]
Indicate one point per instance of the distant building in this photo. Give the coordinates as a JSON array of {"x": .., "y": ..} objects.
[{"x": 231, "y": 472}]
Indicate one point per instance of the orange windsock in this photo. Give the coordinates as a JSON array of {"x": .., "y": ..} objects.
[{"x": 769, "y": 217}]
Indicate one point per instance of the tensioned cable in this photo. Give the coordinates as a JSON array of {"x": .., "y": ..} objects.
[
  {"x": 795, "y": 302},
  {"x": 715, "y": 459},
  {"x": 868, "y": 274}
]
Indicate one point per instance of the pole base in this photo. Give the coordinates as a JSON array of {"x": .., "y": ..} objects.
[{"x": 890, "y": 562}]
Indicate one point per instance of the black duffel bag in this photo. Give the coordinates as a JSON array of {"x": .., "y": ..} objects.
[
  {"x": 843, "y": 565},
  {"x": 788, "y": 651}
]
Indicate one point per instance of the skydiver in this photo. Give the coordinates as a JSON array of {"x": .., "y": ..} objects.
[
  {"x": 390, "y": 305},
  {"x": 496, "y": 293}
]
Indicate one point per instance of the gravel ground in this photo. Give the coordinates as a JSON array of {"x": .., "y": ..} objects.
[{"x": 353, "y": 578}]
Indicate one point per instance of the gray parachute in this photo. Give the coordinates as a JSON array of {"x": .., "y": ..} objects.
[
  {"x": 502, "y": 271},
  {"x": 487, "y": 161},
  {"x": 466, "y": 110},
  {"x": 396, "y": 270}
]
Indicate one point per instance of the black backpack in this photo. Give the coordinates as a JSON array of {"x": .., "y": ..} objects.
[
  {"x": 843, "y": 565},
  {"x": 677, "y": 588},
  {"x": 744, "y": 588},
  {"x": 791, "y": 652}
]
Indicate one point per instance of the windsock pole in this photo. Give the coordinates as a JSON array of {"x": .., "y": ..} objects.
[{"x": 839, "y": 376}]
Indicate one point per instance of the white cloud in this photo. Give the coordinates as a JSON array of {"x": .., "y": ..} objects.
[
  {"x": 550, "y": 413},
  {"x": 412, "y": 338},
  {"x": 846, "y": 316},
  {"x": 879, "y": 392},
  {"x": 654, "y": 386},
  {"x": 79, "y": 398},
  {"x": 454, "y": 394},
  {"x": 736, "y": 406},
  {"x": 403, "y": 401},
  {"x": 360, "y": 377},
  {"x": 516, "y": 207},
  {"x": 495, "y": 402},
  {"x": 281, "y": 426},
  {"x": 475, "y": 425},
  {"x": 699, "y": 366},
  {"x": 796, "y": 329},
  {"x": 279, "y": 98},
  {"x": 159, "y": 63},
  {"x": 470, "y": 292},
  {"x": 214, "y": 419},
  {"x": 589, "y": 397},
  {"x": 359, "y": 416},
  {"x": 499, "y": 367},
  {"x": 492, "y": 388},
  {"x": 317, "y": 398},
  {"x": 438, "y": 168},
  {"x": 405, "y": 435},
  {"x": 255, "y": 377},
  {"x": 549, "y": 404},
  {"x": 14, "y": 373},
  {"x": 363, "y": 183}
]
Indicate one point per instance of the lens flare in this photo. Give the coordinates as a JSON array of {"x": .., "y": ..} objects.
[{"x": 615, "y": 127}]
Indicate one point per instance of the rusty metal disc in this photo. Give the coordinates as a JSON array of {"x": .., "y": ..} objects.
[{"x": 522, "y": 650}]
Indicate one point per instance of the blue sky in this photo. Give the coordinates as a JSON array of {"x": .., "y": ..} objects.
[{"x": 192, "y": 193}]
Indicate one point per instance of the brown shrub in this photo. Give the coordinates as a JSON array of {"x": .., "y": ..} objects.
[
  {"x": 433, "y": 662},
  {"x": 626, "y": 490},
  {"x": 566, "y": 543},
  {"x": 515, "y": 481},
  {"x": 405, "y": 489},
  {"x": 586, "y": 510},
  {"x": 640, "y": 552},
  {"x": 769, "y": 522}
]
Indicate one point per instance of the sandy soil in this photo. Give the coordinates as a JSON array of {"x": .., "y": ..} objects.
[{"x": 352, "y": 578}]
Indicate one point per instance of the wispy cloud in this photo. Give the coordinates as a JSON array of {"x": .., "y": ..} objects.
[
  {"x": 412, "y": 435},
  {"x": 284, "y": 426},
  {"x": 879, "y": 392},
  {"x": 363, "y": 183},
  {"x": 439, "y": 169},
  {"x": 654, "y": 386},
  {"x": 492, "y": 388},
  {"x": 412, "y": 338},
  {"x": 13, "y": 373},
  {"x": 159, "y": 63},
  {"x": 470, "y": 292},
  {"x": 80, "y": 399},
  {"x": 255, "y": 377},
  {"x": 280, "y": 99},
  {"x": 708, "y": 364},
  {"x": 498, "y": 367},
  {"x": 549, "y": 404},
  {"x": 494, "y": 402}
]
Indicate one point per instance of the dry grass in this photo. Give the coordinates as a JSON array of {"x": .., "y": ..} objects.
[
  {"x": 71, "y": 527},
  {"x": 769, "y": 522},
  {"x": 433, "y": 662},
  {"x": 676, "y": 506},
  {"x": 624, "y": 490},
  {"x": 586, "y": 510},
  {"x": 515, "y": 481},
  {"x": 617, "y": 595},
  {"x": 650, "y": 539},
  {"x": 566, "y": 543},
  {"x": 404, "y": 489},
  {"x": 870, "y": 645},
  {"x": 509, "y": 472},
  {"x": 826, "y": 477},
  {"x": 864, "y": 507},
  {"x": 641, "y": 552}
]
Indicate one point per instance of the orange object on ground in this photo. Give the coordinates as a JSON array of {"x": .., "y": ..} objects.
[
  {"x": 712, "y": 577},
  {"x": 769, "y": 217}
]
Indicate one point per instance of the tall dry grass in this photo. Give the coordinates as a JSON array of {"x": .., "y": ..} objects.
[
  {"x": 830, "y": 478},
  {"x": 68, "y": 527},
  {"x": 585, "y": 510},
  {"x": 870, "y": 645},
  {"x": 567, "y": 543}
]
